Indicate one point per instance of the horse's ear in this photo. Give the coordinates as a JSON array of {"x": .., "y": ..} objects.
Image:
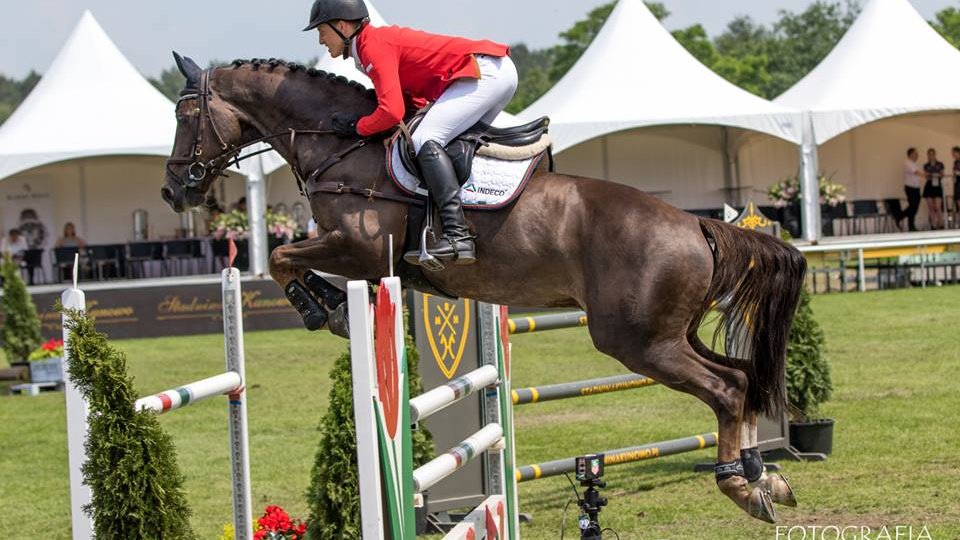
[{"x": 189, "y": 68}]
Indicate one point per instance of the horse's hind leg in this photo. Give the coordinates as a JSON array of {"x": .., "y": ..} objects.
[
  {"x": 774, "y": 483},
  {"x": 674, "y": 363}
]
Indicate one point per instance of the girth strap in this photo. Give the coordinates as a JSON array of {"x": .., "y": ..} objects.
[{"x": 340, "y": 188}]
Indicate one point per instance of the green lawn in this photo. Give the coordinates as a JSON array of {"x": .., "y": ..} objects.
[{"x": 895, "y": 357}]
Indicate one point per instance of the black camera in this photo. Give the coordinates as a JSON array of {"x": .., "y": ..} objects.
[
  {"x": 589, "y": 468},
  {"x": 589, "y": 471}
]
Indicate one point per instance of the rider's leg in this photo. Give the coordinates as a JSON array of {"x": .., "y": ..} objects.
[{"x": 462, "y": 105}]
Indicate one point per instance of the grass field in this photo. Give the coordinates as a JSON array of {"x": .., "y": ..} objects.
[{"x": 895, "y": 357}]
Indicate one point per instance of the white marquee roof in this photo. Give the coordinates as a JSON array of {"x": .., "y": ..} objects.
[
  {"x": 90, "y": 102},
  {"x": 636, "y": 74},
  {"x": 890, "y": 62}
]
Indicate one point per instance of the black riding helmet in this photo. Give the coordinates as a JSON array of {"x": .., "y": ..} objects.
[{"x": 332, "y": 10}]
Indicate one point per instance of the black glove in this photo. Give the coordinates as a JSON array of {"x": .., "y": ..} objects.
[{"x": 345, "y": 125}]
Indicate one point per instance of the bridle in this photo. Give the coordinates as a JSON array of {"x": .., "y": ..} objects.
[{"x": 199, "y": 170}]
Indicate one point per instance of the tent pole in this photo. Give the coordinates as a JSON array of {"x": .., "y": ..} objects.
[
  {"x": 83, "y": 200},
  {"x": 256, "y": 212},
  {"x": 732, "y": 195},
  {"x": 809, "y": 186}
]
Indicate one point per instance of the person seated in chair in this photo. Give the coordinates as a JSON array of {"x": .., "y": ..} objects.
[
  {"x": 70, "y": 238},
  {"x": 15, "y": 244},
  {"x": 467, "y": 81}
]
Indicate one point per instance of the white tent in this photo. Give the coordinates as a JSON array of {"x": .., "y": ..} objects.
[
  {"x": 87, "y": 146},
  {"x": 890, "y": 62},
  {"x": 90, "y": 102},
  {"x": 636, "y": 75},
  {"x": 890, "y": 83}
]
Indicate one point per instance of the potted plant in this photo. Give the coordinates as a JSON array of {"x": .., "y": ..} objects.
[
  {"x": 46, "y": 362},
  {"x": 281, "y": 229},
  {"x": 808, "y": 382},
  {"x": 785, "y": 194}
]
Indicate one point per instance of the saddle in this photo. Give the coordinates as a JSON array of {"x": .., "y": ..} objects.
[{"x": 518, "y": 141}]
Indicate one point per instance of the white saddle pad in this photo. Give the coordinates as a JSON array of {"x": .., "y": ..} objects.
[{"x": 492, "y": 183}]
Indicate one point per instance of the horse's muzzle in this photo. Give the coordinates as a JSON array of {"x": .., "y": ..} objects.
[{"x": 169, "y": 196}]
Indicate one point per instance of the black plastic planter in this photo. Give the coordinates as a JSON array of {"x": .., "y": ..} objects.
[{"x": 812, "y": 437}]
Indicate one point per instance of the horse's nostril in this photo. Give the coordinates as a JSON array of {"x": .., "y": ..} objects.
[{"x": 166, "y": 193}]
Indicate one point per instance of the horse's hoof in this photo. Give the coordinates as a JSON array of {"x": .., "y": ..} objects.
[
  {"x": 339, "y": 321},
  {"x": 761, "y": 505},
  {"x": 779, "y": 488},
  {"x": 315, "y": 320},
  {"x": 755, "y": 502}
]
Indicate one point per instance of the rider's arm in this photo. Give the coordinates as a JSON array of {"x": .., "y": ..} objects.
[{"x": 384, "y": 70}]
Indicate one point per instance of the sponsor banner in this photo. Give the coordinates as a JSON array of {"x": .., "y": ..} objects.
[{"x": 172, "y": 310}]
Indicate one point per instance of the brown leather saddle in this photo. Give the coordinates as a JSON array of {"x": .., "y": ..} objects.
[{"x": 462, "y": 149}]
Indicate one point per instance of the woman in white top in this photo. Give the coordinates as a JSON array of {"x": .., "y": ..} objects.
[{"x": 912, "y": 174}]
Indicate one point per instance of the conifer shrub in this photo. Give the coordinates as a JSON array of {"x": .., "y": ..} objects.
[
  {"x": 20, "y": 333},
  {"x": 131, "y": 467}
]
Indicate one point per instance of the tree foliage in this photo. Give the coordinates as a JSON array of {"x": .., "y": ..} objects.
[
  {"x": 13, "y": 91},
  {"x": 136, "y": 485},
  {"x": 947, "y": 23},
  {"x": 808, "y": 371},
  {"x": 21, "y": 327}
]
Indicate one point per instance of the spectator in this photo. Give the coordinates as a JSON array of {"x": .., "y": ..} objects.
[
  {"x": 241, "y": 205},
  {"x": 70, "y": 238},
  {"x": 312, "y": 229},
  {"x": 933, "y": 189},
  {"x": 911, "y": 186},
  {"x": 956, "y": 179},
  {"x": 15, "y": 244},
  {"x": 213, "y": 213}
]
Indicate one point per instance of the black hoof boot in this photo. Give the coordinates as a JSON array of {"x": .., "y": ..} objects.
[
  {"x": 314, "y": 316},
  {"x": 325, "y": 291}
]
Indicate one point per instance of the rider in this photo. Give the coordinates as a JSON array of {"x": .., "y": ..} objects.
[{"x": 467, "y": 81}]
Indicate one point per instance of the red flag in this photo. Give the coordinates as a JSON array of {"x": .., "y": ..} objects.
[{"x": 232, "y": 251}]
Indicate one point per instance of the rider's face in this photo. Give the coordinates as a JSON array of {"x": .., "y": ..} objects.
[{"x": 330, "y": 39}]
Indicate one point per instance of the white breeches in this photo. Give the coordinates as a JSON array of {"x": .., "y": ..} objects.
[{"x": 467, "y": 101}]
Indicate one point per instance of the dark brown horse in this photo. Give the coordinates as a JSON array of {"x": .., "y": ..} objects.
[{"x": 645, "y": 272}]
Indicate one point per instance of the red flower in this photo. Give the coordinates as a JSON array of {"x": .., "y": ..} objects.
[{"x": 275, "y": 521}]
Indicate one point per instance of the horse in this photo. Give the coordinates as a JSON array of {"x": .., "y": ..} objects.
[{"x": 646, "y": 273}]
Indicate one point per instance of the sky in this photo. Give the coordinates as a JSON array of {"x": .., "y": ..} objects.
[{"x": 32, "y": 31}]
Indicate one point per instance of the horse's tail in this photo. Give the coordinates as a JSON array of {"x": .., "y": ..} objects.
[{"x": 756, "y": 285}]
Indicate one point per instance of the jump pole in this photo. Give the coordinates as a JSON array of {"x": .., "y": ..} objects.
[{"x": 620, "y": 456}]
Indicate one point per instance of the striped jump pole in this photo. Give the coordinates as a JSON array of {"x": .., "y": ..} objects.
[
  {"x": 589, "y": 387},
  {"x": 188, "y": 394},
  {"x": 446, "y": 464},
  {"x": 441, "y": 397},
  {"x": 620, "y": 456},
  {"x": 550, "y": 321}
]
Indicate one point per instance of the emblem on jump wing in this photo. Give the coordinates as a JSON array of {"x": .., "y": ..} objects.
[{"x": 447, "y": 324}]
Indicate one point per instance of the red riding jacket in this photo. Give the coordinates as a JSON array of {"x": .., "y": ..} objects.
[{"x": 402, "y": 60}]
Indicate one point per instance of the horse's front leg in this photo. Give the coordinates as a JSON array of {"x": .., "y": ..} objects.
[{"x": 318, "y": 301}]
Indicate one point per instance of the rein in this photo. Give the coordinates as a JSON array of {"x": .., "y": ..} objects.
[{"x": 198, "y": 170}]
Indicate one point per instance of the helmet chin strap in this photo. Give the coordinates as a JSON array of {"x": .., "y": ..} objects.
[{"x": 348, "y": 40}]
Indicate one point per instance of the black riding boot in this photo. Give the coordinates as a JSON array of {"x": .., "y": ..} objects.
[{"x": 441, "y": 178}]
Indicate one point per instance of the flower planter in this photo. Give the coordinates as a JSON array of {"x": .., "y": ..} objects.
[
  {"x": 49, "y": 370},
  {"x": 812, "y": 437}
]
